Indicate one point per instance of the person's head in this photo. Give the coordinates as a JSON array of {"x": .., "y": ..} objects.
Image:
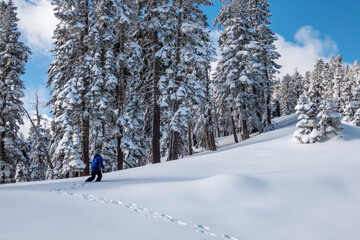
[{"x": 98, "y": 151}]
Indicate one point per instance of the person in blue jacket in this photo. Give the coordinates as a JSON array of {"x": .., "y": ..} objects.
[{"x": 96, "y": 165}]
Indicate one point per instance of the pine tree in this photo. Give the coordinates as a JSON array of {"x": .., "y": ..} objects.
[
  {"x": 69, "y": 78},
  {"x": 329, "y": 117},
  {"x": 187, "y": 84},
  {"x": 315, "y": 91},
  {"x": 267, "y": 57},
  {"x": 288, "y": 97},
  {"x": 299, "y": 82},
  {"x": 307, "y": 126},
  {"x": 21, "y": 173},
  {"x": 38, "y": 167},
  {"x": 327, "y": 83},
  {"x": 349, "y": 92},
  {"x": 13, "y": 56},
  {"x": 307, "y": 82},
  {"x": 236, "y": 72},
  {"x": 337, "y": 82},
  {"x": 357, "y": 118},
  {"x": 153, "y": 30}
]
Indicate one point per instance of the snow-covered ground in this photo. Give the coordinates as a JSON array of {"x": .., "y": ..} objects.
[{"x": 268, "y": 188}]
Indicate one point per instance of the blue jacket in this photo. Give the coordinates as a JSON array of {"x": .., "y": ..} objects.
[{"x": 96, "y": 163}]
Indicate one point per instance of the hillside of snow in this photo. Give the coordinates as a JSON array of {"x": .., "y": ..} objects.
[{"x": 269, "y": 187}]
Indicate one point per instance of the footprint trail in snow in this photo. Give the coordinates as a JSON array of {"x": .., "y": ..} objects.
[{"x": 133, "y": 206}]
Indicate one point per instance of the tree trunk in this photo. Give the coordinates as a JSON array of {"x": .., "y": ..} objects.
[
  {"x": 244, "y": 130},
  {"x": 85, "y": 144},
  {"x": 209, "y": 134},
  {"x": 175, "y": 143},
  {"x": 234, "y": 130},
  {"x": 120, "y": 99},
  {"x": 190, "y": 140},
  {"x": 2, "y": 147},
  {"x": 209, "y": 127},
  {"x": 85, "y": 122},
  {"x": 156, "y": 157},
  {"x": 175, "y": 146},
  {"x": 119, "y": 155}
]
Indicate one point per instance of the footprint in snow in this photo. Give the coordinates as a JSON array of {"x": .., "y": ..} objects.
[
  {"x": 173, "y": 220},
  {"x": 203, "y": 229},
  {"x": 144, "y": 211},
  {"x": 229, "y": 237}
]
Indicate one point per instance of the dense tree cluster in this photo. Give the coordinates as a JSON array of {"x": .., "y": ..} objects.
[
  {"x": 330, "y": 93},
  {"x": 133, "y": 78}
]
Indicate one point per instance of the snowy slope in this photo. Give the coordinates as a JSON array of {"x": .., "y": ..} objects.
[{"x": 268, "y": 187}]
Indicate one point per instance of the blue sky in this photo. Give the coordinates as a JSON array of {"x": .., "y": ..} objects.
[
  {"x": 307, "y": 30},
  {"x": 336, "y": 19}
]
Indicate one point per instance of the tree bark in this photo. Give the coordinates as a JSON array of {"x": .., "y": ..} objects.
[
  {"x": 120, "y": 99},
  {"x": 244, "y": 130},
  {"x": 234, "y": 130},
  {"x": 175, "y": 143},
  {"x": 2, "y": 147},
  {"x": 156, "y": 157},
  {"x": 85, "y": 144},
  {"x": 190, "y": 140},
  {"x": 84, "y": 117},
  {"x": 209, "y": 134}
]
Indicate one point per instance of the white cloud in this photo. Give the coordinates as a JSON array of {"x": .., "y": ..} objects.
[
  {"x": 307, "y": 48},
  {"x": 36, "y": 23}
]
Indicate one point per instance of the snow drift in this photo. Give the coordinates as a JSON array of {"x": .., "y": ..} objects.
[{"x": 268, "y": 187}]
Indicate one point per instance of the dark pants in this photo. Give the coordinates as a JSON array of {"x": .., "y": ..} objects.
[{"x": 99, "y": 176}]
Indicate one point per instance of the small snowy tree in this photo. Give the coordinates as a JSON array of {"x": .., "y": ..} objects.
[
  {"x": 307, "y": 126},
  {"x": 330, "y": 118},
  {"x": 299, "y": 82},
  {"x": 287, "y": 95},
  {"x": 21, "y": 173},
  {"x": 338, "y": 82},
  {"x": 357, "y": 118},
  {"x": 315, "y": 91}
]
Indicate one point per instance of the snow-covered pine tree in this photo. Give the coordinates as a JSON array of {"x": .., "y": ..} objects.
[
  {"x": 349, "y": 92},
  {"x": 329, "y": 118},
  {"x": 69, "y": 78},
  {"x": 154, "y": 35},
  {"x": 288, "y": 97},
  {"x": 307, "y": 126},
  {"x": 337, "y": 82},
  {"x": 299, "y": 82},
  {"x": 103, "y": 86},
  {"x": 357, "y": 118},
  {"x": 204, "y": 131},
  {"x": 116, "y": 60},
  {"x": 315, "y": 91},
  {"x": 238, "y": 69},
  {"x": 13, "y": 56},
  {"x": 307, "y": 82},
  {"x": 327, "y": 83},
  {"x": 275, "y": 105},
  {"x": 38, "y": 167},
  {"x": 187, "y": 84},
  {"x": 267, "y": 57},
  {"x": 21, "y": 173}
]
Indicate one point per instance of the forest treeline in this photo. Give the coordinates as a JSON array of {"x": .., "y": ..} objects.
[{"x": 134, "y": 78}]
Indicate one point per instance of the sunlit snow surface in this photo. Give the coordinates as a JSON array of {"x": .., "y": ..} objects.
[{"x": 269, "y": 187}]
